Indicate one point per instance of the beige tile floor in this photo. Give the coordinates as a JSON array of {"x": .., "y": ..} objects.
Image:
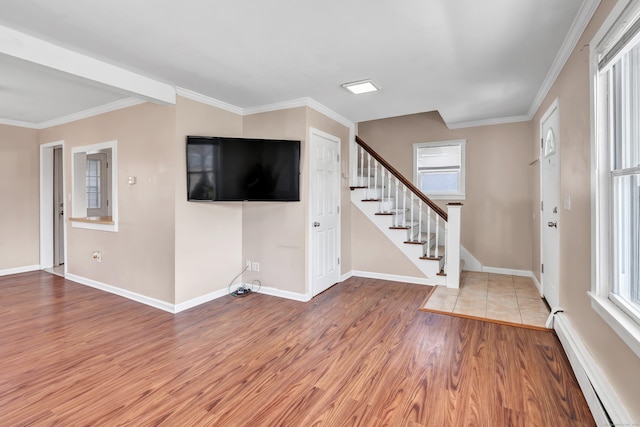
[{"x": 498, "y": 297}]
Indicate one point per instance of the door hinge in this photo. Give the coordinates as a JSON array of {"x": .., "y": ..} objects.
[
  {"x": 107, "y": 202},
  {"x": 542, "y": 205},
  {"x": 338, "y": 209},
  {"x": 107, "y": 163},
  {"x": 542, "y": 268},
  {"x": 541, "y": 142},
  {"x": 338, "y": 260},
  {"x": 338, "y": 157}
]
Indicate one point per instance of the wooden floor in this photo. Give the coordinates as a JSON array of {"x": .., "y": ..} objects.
[{"x": 361, "y": 353}]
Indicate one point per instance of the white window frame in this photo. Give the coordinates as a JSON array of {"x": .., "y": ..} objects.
[
  {"x": 619, "y": 21},
  {"x": 79, "y": 186},
  {"x": 457, "y": 195}
]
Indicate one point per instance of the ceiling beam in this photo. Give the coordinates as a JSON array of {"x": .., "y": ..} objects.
[{"x": 77, "y": 65}]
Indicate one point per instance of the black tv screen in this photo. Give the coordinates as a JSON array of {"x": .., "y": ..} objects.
[{"x": 242, "y": 169}]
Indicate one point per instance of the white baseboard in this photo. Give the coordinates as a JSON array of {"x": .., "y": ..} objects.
[
  {"x": 509, "y": 271},
  {"x": 392, "y": 277},
  {"x": 162, "y": 305},
  {"x": 345, "y": 276},
  {"x": 186, "y": 305},
  {"x": 280, "y": 293},
  {"x": 597, "y": 390},
  {"x": 17, "y": 270},
  {"x": 535, "y": 282},
  {"x": 471, "y": 263}
]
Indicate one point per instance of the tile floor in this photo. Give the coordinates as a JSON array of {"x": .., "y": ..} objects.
[{"x": 504, "y": 298}]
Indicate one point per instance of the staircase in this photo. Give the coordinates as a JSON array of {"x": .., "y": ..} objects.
[{"x": 427, "y": 235}]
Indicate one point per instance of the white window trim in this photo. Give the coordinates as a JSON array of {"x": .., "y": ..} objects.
[
  {"x": 461, "y": 193},
  {"x": 623, "y": 325},
  {"x": 78, "y": 192}
]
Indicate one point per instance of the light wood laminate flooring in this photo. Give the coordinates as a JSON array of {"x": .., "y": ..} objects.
[{"x": 361, "y": 353}]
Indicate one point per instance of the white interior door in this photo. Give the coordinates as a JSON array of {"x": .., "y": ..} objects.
[
  {"x": 325, "y": 210},
  {"x": 550, "y": 206}
]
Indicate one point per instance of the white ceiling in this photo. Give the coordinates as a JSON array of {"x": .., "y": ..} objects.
[{"x": 474, "y": 61}]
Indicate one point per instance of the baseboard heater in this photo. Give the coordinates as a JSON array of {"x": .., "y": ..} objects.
[{"x": 601, "y": 398}]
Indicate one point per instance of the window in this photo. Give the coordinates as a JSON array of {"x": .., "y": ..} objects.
[
  {"x": 94, "y": 187},
  {"x": 616, "y": 170},
  {"x": 438, "y": 169},
  {"x": 97, "y": 172}
]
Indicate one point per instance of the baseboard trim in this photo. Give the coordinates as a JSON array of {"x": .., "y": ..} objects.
[
  {"x": 274, "y": 292},
  {"x": 18, "y": 270},
  {"x": 509, "y": 271},
  {"x": 601, "y": 397},
  {"x": 536, "y": 282},
  {"x": 392, "y": 277},
  {"x": 345, "y": 276},
  {"x": 186, "y": 305},
  {"x": 162, "y": 305}
]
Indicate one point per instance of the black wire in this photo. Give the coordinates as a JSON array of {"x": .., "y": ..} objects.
[{"x": 233, "y": 280}]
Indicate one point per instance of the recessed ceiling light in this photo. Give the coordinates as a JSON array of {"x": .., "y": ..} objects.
[{"x": 362, "y": 86}]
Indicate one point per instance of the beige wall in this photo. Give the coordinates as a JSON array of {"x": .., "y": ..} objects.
[
  {"x": 496, "y": 218},
  {"x": 374, "y": 252},
  {"x": 139, "y": 257},
  {"x": 618, "y": 362},
  {"x": 274, "y": 233},
  {"x": 208, "y": 236},
  {"x": 20, "y": 193}
]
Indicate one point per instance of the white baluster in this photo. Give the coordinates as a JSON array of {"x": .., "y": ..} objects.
[
  {"x": 388, "y": 191},
  {"x": 368, "y": 176},
  {"x": 411, "y": 223},
  {"x": 375, "y": 177},
  {"x": 382, "y": 203},
  {"x": 396, "y": 211},
  {"x": 429, "y": 231},
  {"x": 419, "y": 219},
  {"x": 404, "y": 205},
  {"x": 437, "y": 235},
  {"x": 361, "y": 166}
]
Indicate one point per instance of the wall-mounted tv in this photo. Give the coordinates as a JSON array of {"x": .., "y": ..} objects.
[{"x": 242, "y": 169}]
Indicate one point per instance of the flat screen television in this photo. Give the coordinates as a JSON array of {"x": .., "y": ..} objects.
[{"x": 242, "y": 169}]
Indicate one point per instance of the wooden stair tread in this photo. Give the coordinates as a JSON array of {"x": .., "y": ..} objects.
[
  {"x": 370, "y": 200},
  {"x": 383, "y": 213},
  {"x": 399, "y": 228},
  {"x": 418, "y": 242}
]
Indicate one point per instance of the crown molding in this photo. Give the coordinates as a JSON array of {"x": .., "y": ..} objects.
[
  {"x": 488, "y": 122},
  {"x": 18, "y": 123},
  {"x": 578, "y": 26},
  {"x": 106, "y": 108},
  {"x": 195, "y": 96},
  {"x": 301, "y": 102}
]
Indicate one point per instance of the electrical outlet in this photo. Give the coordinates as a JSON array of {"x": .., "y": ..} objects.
[
  {"x": 97, "y": 256},
  {"x": 247, "y": 264},
  {"x": 255, "y": 266}
]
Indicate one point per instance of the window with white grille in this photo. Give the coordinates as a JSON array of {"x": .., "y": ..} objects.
[{"x": 439, "y": 169}]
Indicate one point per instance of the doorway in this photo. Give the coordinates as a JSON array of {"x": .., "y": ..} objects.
[
  {"x": 324, "y": 179},
  {"x": 550, "y": 204},
  {"x": 52, "y": 208}
]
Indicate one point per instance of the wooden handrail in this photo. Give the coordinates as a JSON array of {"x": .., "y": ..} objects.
[{"x": 402, "y": 179}]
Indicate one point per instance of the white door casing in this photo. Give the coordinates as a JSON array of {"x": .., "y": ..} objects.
[
  {"x": 550, "y": 206},
  {"x": 325, "y": 210},
  {"x": 47, "y": 205},
  {"x": 58, "y": 207}
]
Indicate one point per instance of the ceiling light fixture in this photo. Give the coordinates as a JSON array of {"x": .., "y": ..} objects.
[{"x": 362, "y": 86}]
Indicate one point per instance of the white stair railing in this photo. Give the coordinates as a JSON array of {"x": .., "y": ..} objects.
[{"x": 425, "y": 222}]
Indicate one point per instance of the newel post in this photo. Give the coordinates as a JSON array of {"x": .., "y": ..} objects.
[{"x": 453, "y": 245}]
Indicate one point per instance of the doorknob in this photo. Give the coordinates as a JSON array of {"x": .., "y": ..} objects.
[
  {"x": 552, "y": 224},
  {"x": 316, "y": 224}
]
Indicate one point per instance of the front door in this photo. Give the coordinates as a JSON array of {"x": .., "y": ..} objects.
[
  {"x": 550, "y": 206},
  {"x": 325, "y": 210}
]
